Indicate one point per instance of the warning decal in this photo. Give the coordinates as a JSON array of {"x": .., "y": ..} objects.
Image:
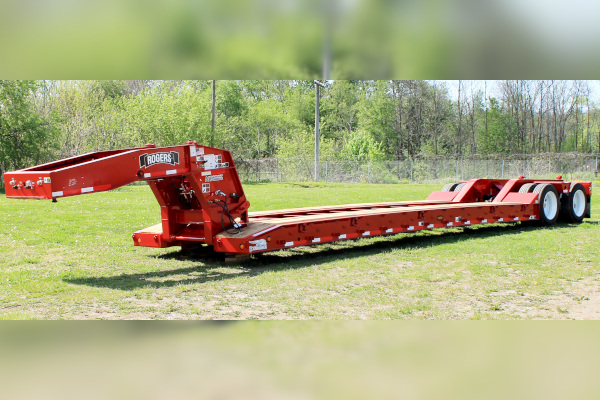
[
  {"x": 260, "y": 244},
  {"x": 213, "y": 178}
]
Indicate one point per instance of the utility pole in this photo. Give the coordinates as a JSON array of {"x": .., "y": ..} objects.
[
  {"x": 212, "y": 125},
  {"x": 317, "y": 117}
]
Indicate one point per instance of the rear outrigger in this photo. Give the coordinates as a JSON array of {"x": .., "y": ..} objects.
[{"x": 202, "y": 201}]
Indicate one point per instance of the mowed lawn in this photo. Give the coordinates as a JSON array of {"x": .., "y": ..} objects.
[{"x": 75, "y": 259}]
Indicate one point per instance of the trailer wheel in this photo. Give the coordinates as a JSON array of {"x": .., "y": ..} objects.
[
  {"x": 459, "y": 187},
  {"x": 549, "y": 204},
  {"x": 449, "y": 187},
  {"x": 575, "y": 203},
  {"x": 527, "y": 188}
]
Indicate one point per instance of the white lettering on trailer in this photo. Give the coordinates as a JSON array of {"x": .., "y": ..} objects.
[
  {"x": 205, "y": 173},
  {"x": 532, "y": 217},
  {"x": 342, "y": 236},
  {"x": 483, "y": 221},
  {"x": 449, "y": 224},
  {"x": 288, "y": 244},
  {"x": 500, "y": 219},
  {"x": 147, "y": 160},
  {"x": 87, "y": 190},
  {"x": 147, "y": 175},
  {"x": 47, "y": 179},
  {"x": 390, "y": 230},
  {"x": 213, "y": 178},
  {"x": 260, "y": 244},
  {"x": 316, "y": 240},
  {"x": 171, "y": 172},
  {"x": 515, "y": 218},
  {"x": 467, "y": 222},
  {"x": 421, "y": 223},
  {"x": 57, "y": 194},
  {"x": 410, "y": 228},
  {"x": 366, "y": 233},
  {"x": 430, "y": 226}
]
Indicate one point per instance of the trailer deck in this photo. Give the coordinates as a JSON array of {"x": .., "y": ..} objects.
[
  {"x": 312, "y": 228},
  {"x": 203, "y": 203}
]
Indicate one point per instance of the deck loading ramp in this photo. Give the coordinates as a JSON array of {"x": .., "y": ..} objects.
[{"x": 202, "y": 201}]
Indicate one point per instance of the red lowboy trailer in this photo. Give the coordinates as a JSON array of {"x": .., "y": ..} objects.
[{"x": 202, "y": 201}]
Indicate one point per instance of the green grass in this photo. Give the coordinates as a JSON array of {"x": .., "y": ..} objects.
[{"x": 75, "y": 259}]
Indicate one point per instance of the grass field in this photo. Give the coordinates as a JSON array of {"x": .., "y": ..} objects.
[{"x": 75, "y": 260}]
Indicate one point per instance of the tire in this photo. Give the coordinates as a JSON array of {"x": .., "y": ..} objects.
[
  {"x": 527, "y": 188},
  {"x": 575, "y": 203},
  {"x": 459, "y": 187},
  {"x": 549, "y": 203},
  {"x": 449, "y": 187}
]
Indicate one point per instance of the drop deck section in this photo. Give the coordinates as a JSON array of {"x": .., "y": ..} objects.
[{"x": 202, "y": 201}]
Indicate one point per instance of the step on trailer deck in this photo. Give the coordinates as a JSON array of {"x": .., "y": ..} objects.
[{"x": 202, "y": 201}]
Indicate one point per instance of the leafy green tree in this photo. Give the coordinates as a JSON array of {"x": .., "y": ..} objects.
[
  {"x": 360, "y": 145},
  {"x": 499, "y": 134},
  {"x": 365, "y": 120},
  {"x": 108, "y": 89},
  {"x": 300, "y": 102},
  {"x": 231, "y": 100},
  {"x": 339, "y": 110},
  {"x": 378, "y": 115},
  {"x": 25, "y": 136},
  {"x": 168, "y": 115}
]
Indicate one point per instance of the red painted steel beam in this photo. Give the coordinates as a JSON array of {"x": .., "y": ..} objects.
[
  {"x": 202, "y": 201},
  {"x": 300, "y": 231}
]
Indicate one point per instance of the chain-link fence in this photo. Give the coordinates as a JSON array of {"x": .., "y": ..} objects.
[{"x": 426, "y": 170}]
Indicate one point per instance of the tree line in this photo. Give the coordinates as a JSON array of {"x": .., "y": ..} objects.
[{"x": 359, "y": 119}]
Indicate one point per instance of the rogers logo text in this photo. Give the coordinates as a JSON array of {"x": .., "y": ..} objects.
[{"x": 148, "y": 160}]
